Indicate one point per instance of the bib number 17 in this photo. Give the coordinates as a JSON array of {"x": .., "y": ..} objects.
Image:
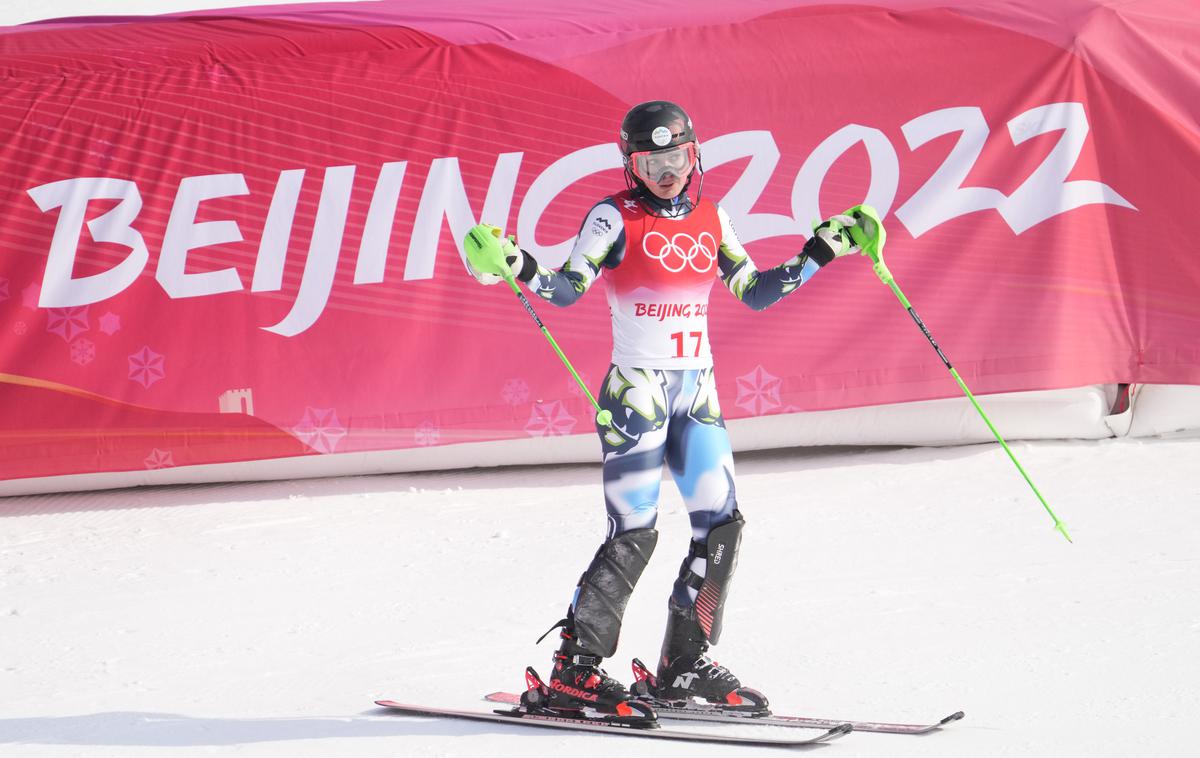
[{"x": 680, "y": 343}]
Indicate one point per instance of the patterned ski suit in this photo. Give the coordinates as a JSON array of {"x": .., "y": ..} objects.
[{"x": 660, "y": 388}]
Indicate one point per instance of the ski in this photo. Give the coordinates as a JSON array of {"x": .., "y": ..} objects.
[
  {"x": 645, "y": 684},
  {"x": 713, "y": 713},
  {"x": 704, "y": 712},
  {"x": 613, "y": 725}
]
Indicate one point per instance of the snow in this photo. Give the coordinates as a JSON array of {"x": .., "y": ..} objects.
[{"x": 262, "y": 619}]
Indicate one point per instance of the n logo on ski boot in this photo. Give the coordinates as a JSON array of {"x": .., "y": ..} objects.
[{"x": 684, "y": 681}]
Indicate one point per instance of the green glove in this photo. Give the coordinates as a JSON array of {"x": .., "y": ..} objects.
[{"x": 485, "y": 253}]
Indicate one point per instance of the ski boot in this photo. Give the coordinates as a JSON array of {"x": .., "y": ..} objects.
[
  {"x": 577, "y": 683},
  {"x": 686, "y": 673}
]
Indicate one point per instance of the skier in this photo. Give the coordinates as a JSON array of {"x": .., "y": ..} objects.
[{"x": 662, "y": 249}]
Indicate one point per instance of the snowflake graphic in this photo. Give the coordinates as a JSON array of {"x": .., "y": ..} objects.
[
  {"x": 159, "y": 459},
  {"x": 110, "y": 323},
  {"x": 320, "y": 429},
  {"x": 3, "y": 289},
  {"x": 20, "y": 327},
  {"x": 83, "y": 351},
  {"x": 427, "y": 434},
  {"x": 549, "y": 419},
  {"x": 515, "y": 392},
  {"x": 758, "y": 391},
  {"x": 146, "y": 366},
  {"x": 67, "y": 322}
]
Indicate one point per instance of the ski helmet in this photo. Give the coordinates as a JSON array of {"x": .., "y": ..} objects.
[
  {"x": 655, "y": 125},
  {"x": 657, "y": 138}
]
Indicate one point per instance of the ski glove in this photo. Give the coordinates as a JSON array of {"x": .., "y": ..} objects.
[
  {"x": 491, "y": 257},
  {"x": 831, "y": 239}
]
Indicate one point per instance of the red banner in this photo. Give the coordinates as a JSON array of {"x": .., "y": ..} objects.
[{"x": 232, "y": 236}]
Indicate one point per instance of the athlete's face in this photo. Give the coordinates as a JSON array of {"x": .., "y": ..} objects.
[{"x": 665, "y": 172}]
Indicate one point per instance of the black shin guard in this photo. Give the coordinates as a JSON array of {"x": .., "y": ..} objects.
[
  {"x": 720, "y": 552},
  {"x": 605, "y": 587}
]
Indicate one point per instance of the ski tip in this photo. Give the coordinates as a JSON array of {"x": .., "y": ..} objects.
[{"x": 952, "y": 717}]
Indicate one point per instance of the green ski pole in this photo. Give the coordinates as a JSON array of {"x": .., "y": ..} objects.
[
  {"x": 603, "y": 417},
  {"x": 486, "y": 242},
  {"x": 872, "y": 245}
]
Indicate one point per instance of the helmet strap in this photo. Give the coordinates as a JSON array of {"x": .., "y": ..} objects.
[{"x": 699, "y": 169}]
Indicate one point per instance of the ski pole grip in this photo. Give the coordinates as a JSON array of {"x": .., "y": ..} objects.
[
  {"x": 482, "y": 248},
  {"x": 870, "y": 236},
  {"x": 868, "y": 232}
]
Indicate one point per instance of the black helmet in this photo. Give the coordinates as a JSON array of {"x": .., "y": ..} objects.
[{"x": 655, "y": 125}]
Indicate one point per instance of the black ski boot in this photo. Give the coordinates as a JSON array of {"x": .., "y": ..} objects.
[
  {"x": 590, "y": 632},
  {"x": 685, "y": 671},
  {"x": 577, "y": 682}
]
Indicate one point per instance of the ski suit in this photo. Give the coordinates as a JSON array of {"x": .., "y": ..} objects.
[{"x": 660, "y": 387}]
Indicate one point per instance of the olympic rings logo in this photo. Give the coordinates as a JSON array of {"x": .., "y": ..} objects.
[{"x": 682, "y": 250}]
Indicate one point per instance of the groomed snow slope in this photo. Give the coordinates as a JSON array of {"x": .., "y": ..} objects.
[{"x": 262, "y": 619}]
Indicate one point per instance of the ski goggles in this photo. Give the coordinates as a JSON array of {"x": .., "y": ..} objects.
[{"x": 652, "y": 166}]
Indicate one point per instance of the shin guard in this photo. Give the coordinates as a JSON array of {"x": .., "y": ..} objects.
[
  {"x": 720, "y": 552},
  {"x": 605, "y": 587}
]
